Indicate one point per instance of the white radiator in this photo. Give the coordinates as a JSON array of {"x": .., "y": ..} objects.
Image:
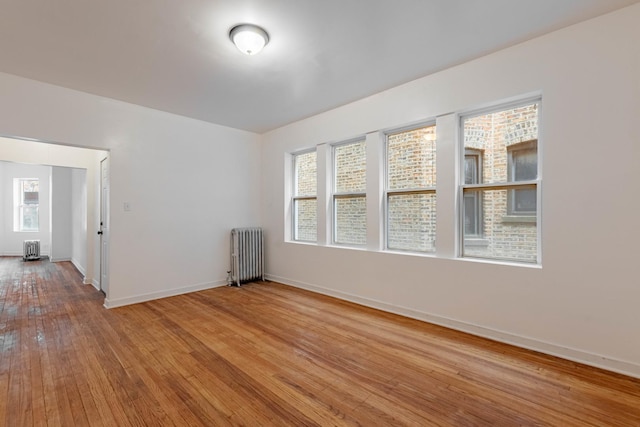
[
  {"x": 31, "y": 250},
  {"x": 247, "y": 255}
]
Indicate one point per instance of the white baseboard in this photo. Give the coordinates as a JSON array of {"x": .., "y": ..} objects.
[
  {"x": 79, "y": 267},
  {"x": 20, "y": 254},
  {"x": 85, "y": 280},
  {"x": 113, "y": 303},
  {"x": 576, "y": 355},
  {"x": 10, "y": 253},
  {"x": 59, "y": 259}
]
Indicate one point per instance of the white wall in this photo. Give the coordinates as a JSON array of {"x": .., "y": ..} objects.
[
  {"x": 12, "y": 241},
  {"x": 188, "y": 183},
  {"x": 61, "y": 227},
  {"x": 79, "y": 219},
  {"x": 2, "y": 226},
  {"x": 582, "y": 303}
]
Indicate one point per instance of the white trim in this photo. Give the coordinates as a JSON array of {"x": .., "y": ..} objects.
[
  {"x": 80, "y": 268},
  {"x": 599, "y": 361},
  {"x": 289, "y": 171},
  {"x": 324, "y": 161},
  {"x": 59, "y": 259},
  {"x": 375, "y": 214},
  {"x": 85, "y": 280},
  {"x": 294, "y": 197},
  {"x": 511, "y": 102},
  {"x": 162, "y": 294},
  {"x": 21, "y": 254},
  {"x": 447, "y": 173}
]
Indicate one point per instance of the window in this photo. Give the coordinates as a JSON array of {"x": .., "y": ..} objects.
[
  {"x": 26, "y": 201},
  {"x": 410, "y": 189},
  {"x": 349, "y": 193},
  {"x": 472, "y": 200},
  {"x": 500, "y": 190},
  {"x": 380, "y": 191},
  {"x": 523, "y": 166},
  {"x": 305, "y": 202}
]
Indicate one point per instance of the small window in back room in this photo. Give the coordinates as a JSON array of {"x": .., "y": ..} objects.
[{"x": 26, "y": 203}]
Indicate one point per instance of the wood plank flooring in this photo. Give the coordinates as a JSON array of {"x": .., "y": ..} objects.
[{"x": 268, "y": 354}]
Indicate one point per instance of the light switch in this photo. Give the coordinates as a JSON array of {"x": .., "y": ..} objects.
[{"x": 127, "y": 206}]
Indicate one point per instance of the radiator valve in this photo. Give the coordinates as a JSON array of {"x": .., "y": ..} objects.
[{"x": 229, "y": 278}]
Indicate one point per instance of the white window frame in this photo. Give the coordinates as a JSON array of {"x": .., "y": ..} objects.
[
  {"x": 20, "y": 205},
  {"x": 295, "y": 197},
  {"x": 345, "y": 195},
  {"x": 449, "y": 189},
  {"x": 509, "y": 185},
  {"x": 387, "y": 193}
]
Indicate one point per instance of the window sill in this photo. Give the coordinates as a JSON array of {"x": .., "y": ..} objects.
[
  {"x": 476, "y": 242},
  {"x": 431, "y": 255},
  {"x": 504, "y": 262},
  {"x": 519, "y": 219},
  {"x": 303, "y": 242}
]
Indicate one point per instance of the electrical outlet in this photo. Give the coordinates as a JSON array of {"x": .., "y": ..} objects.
[{"x": 127, "y": 206}]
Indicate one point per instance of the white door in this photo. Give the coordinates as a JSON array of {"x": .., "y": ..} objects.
[{"x": 104, "y": 225}]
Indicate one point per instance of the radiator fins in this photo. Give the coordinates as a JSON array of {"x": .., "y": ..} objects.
[
  {"x": 31, "y": 250},
  {"x": 247, "y": 255}
]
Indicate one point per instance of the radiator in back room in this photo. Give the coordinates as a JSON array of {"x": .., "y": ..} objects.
[
  {"x": 31, "y": 250},
  {"x": 247, "y": 255}
]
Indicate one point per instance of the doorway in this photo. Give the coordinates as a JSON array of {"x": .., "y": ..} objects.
[{"x": 86, "y": 246}]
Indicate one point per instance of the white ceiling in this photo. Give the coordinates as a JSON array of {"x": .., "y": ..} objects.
[{"x": 175, "y": 55}]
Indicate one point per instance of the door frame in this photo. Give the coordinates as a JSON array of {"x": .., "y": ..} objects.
[{"x": 103, "y": 228}]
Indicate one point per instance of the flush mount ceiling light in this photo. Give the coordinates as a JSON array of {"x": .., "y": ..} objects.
[{"x": 250, "y": 39}]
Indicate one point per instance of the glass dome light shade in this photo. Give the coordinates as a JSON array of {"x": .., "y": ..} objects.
[{"x": 249, "y": 39}]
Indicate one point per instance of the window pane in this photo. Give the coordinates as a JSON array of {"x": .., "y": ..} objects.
[
  {"x": 411, "y": 159},
  {"x": 30, "y": 197},
  {"x": 495, "y": 133},
  {"x": 525, "y": 164},
  {"x": 472, "y": 214},
  {"x": 350, "y": 168},
  {"x": 306, "y": 222},
  {"x": 29, "y": 218},
  {"x": 351, "y": 220},
  {"x": 524, "y": 201},
  {"x": 306, "y": 176},
  {"x": 412, "y": 222},
  {"x": 471, "y": 169},
  {"x": 516, "y": 241},
  {"x": 29, "y": 185}
]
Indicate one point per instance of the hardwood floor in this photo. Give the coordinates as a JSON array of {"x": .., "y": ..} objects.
[{"x": 269, "y": 354}]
